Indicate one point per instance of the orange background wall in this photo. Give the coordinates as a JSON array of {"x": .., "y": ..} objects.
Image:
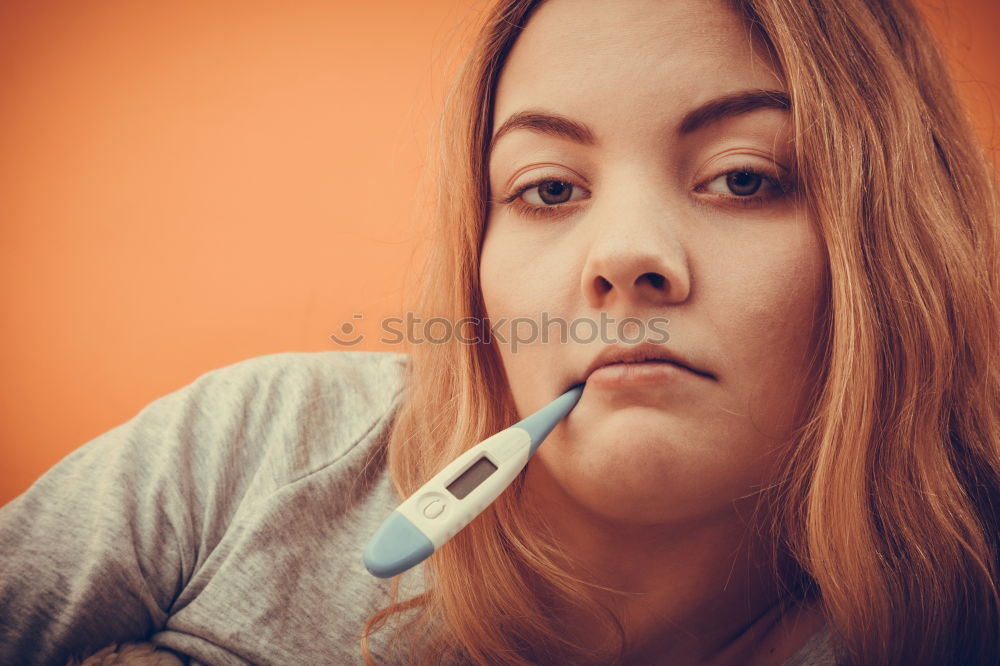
[{"x": 187, "y": 184}]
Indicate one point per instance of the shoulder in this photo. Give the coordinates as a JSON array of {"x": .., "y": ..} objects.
[
  {"x": 819, "y": 650},
  {"x": 305, "y": 408},
  {"x": 367, "y": 374},
  {"x": 200, "y": 502},
  {"x": 265, "y": 422}
]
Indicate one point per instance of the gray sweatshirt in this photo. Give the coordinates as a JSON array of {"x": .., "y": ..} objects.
[{"x": 225, "y": 521}]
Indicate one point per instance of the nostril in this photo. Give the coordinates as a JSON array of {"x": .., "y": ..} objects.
[
  {"x": 655, "y": 279},
  {"x": 603, "y": 285}
]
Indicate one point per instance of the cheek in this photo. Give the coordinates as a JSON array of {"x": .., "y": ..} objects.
[
  {"x": 493, "y": 265},
  {"x": 789, "y": 306},
  {"x": 778, "y": 314},
  {"x": 768, "y": 288},
  {"x": 509, "y": 292},
  {"x": 522, "y": 272},
  {"x": 773, "y": 332},
  {"x": 526, "y": 279}
]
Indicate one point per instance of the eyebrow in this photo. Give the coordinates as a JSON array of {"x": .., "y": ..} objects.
[{"x": 714, "y": 110}]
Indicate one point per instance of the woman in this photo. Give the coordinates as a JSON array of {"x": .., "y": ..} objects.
[
  {"x": 849, "y": 309},
  {"x": 807, "y": 465}
]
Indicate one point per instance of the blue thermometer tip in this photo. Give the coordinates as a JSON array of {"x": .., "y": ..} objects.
[{"x": 541, "y": 423}]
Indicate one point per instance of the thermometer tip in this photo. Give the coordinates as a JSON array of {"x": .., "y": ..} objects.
[{"x": 397, "y": 545}]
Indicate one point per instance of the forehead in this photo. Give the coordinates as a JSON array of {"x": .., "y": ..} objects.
[{"x": 625, "y": 60}]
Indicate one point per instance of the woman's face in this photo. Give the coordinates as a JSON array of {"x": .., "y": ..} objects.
[{"x": 640, "y": 216}]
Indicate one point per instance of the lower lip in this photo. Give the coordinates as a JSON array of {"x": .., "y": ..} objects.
[{"x": 637, "y": 374}]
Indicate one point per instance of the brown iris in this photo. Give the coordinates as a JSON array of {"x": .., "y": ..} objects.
[
  {"x": 554, "y": 191},
  {"x": 743, "y": 183}
]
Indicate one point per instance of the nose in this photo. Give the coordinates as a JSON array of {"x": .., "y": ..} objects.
[{"x": 637, "y": 258}]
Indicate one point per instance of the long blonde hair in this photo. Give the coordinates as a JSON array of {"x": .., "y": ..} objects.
[{"x": 889, "y": 506}]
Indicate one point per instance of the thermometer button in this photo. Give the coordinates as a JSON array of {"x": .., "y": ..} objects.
[{"x": 432, "y": 507}]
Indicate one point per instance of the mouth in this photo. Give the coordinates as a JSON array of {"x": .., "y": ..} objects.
[{"x": 641, "y": 355}]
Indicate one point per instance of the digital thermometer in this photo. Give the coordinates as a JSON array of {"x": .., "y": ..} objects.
[{"x": 461, "y": 491}]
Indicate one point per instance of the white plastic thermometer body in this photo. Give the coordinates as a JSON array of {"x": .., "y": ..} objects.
[{"x": 461, "y": 491}]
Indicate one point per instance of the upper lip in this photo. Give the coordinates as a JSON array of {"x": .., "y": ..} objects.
[{"x": 639, "y": 353}]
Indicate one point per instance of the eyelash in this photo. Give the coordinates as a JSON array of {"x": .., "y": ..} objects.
[{"x": 746, "y": 202}]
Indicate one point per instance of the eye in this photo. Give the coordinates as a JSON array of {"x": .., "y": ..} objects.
[
  {"x": 544, "y": 197},
  {"x": 742, "y": 183},
  {"x": 549, "y": 192},
  {"x": 738, "y": 186}
]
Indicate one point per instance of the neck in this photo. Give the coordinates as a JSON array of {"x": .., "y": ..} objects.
[{"x": 701, "y": 591}]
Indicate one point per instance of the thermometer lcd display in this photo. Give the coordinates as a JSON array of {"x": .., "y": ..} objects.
[{"x": 471, "y": 478}]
